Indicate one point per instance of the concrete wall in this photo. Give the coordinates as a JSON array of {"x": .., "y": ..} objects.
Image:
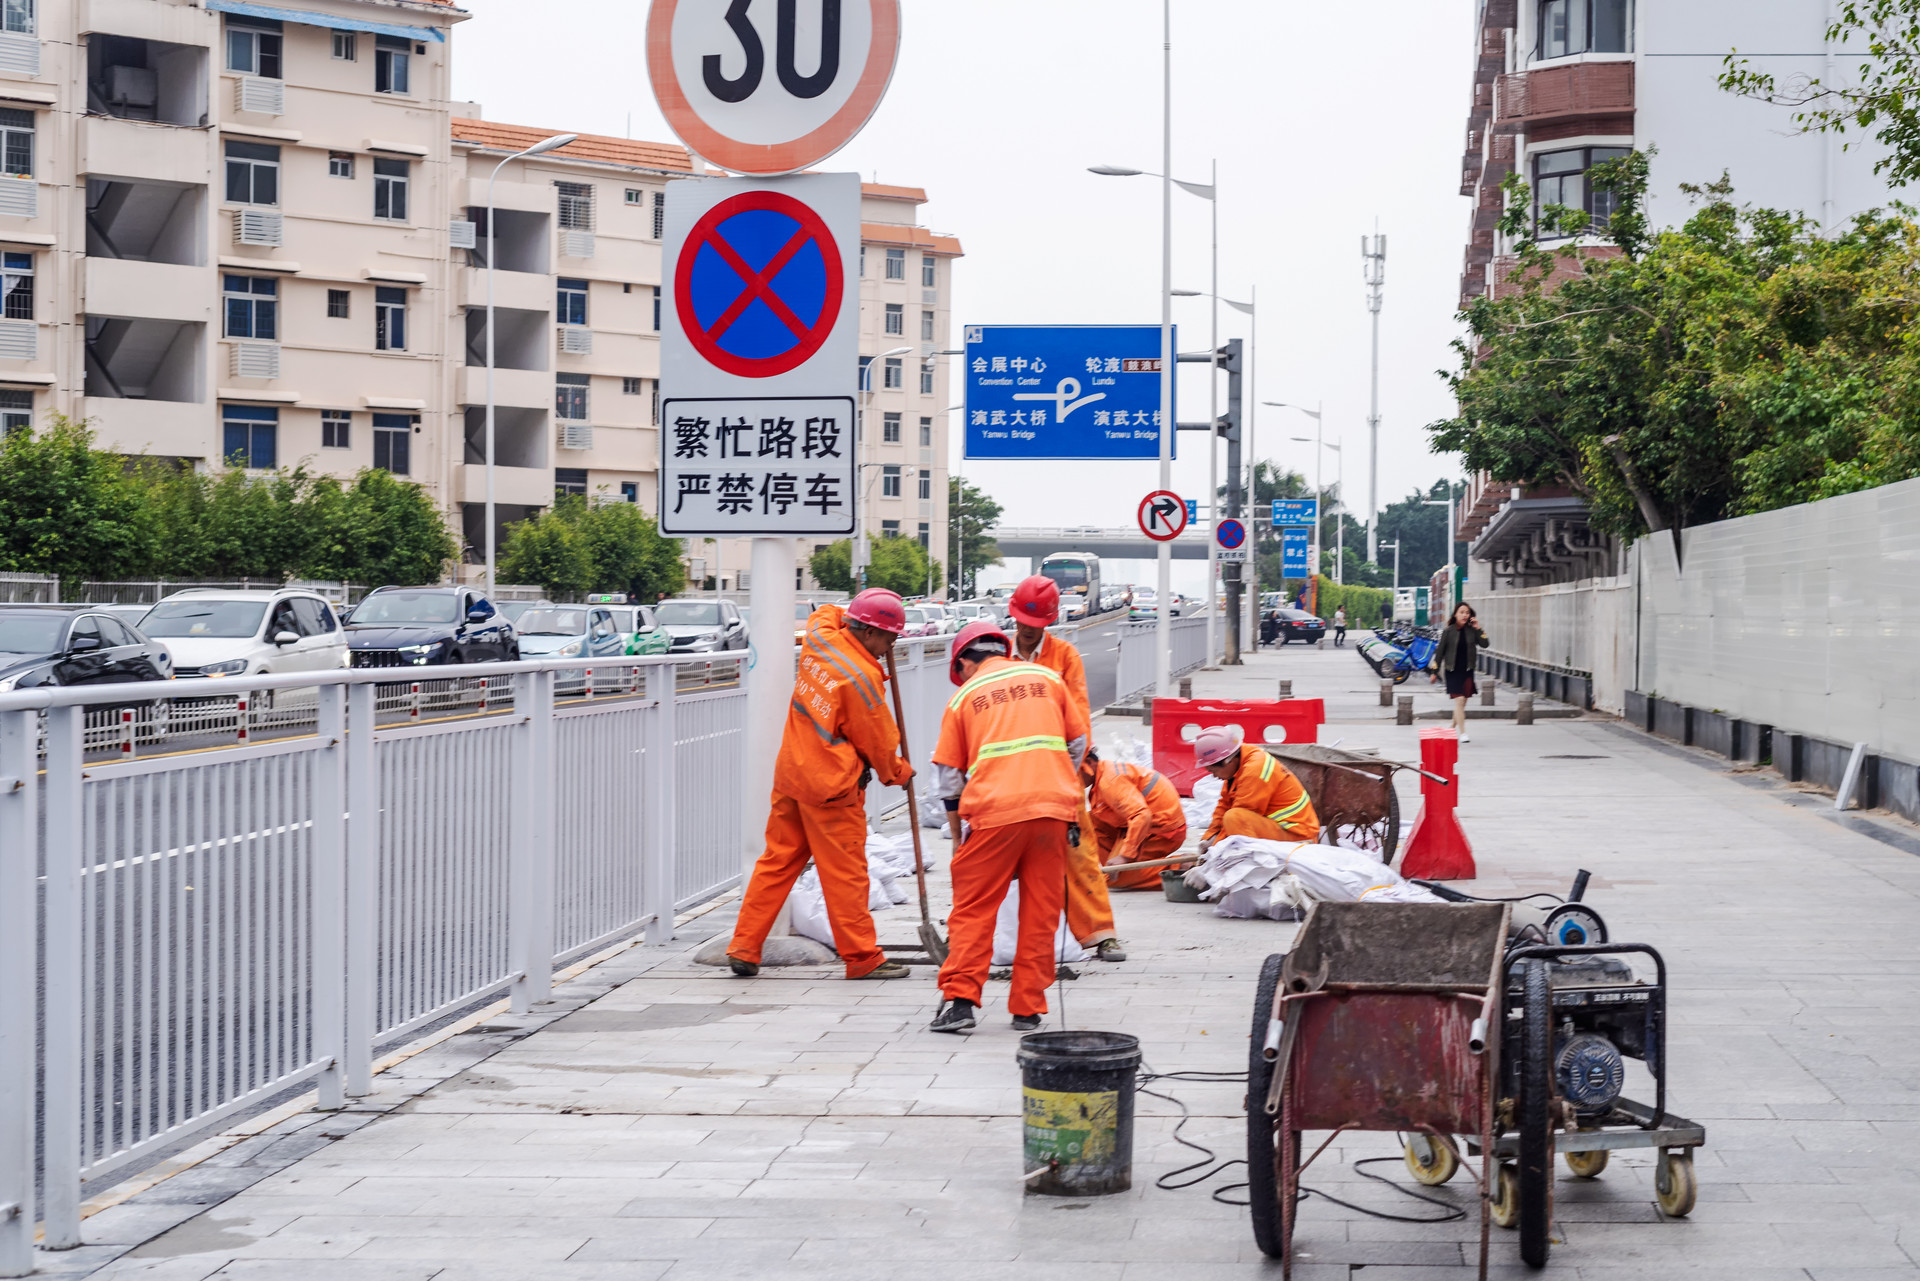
[{"x": 1582, "y": 627}]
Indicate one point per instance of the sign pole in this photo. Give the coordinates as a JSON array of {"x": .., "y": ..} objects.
[
  {"x": 1163, "y": 617},
  {"x": 769, "y": 687}
]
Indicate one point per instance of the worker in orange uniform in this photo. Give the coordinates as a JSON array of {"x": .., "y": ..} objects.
[
  {"x": 1136, "y": 818},
  {"x": 1261, "y": 798},
  {"x": 1007, "y": 767},
  {"x": 1035, "y": 606},
  {"x": 839, "y": 734}
]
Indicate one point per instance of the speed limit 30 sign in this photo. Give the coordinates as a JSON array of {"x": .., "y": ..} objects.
[{"x": 770, "y": 87}]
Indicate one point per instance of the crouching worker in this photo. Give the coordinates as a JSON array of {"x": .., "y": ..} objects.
[
  {"x": 839, "y": 734},
  {"x": 1008, "y": 764},
  {"x": 1136, "y": 818},
  {"x": 1261, "y": 798}
]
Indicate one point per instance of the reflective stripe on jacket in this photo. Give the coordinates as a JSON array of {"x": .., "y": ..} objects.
[
  {"x": 838, "y": 721},
  {"x": 1138, "y": 799},
  {"x": 1265, "y": 786},
  {"x": 1011, "y": 729}
]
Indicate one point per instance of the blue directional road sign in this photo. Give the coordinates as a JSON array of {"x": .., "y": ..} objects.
[
  {"x": 1063, "y": 391},
  {"x": 1295, "y": 511},
  {"x": 1293, "y": 552},
  {"x": 1193, "y": 510}
]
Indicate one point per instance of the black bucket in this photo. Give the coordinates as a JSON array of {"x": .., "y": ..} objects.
[{"x": 1076, "y": 1091}]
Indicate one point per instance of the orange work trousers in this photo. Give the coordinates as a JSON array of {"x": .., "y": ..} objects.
[
  {"x": 1089, "y": 910},
  {"x": 1154, "y": 847},
  {"x": 1033, "y": 852},
  {"x": 1255, "y": 824},
  {"x": 835, "y": 839}
]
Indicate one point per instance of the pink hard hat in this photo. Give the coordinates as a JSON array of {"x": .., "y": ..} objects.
[
  {"x": 1214, "y": 745},
  {"x": 878, "y": 607},
  {"x": 980, "y": 633}
]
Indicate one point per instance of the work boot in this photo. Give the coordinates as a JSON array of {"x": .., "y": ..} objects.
[
  {"x": 743, "y": 969},
  {"x": 1110, "y": 950},
  {"x": 1026, "y": 1022},
  {"x": 957, "y": 1016},
  {"x": 886, "y": 970}
]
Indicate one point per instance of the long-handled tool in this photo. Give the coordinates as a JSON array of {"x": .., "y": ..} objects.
[{"x": 929, "y": 936}]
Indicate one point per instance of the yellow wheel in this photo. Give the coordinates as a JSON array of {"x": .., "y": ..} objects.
[
  {"x": 1674, "y": 1187},
  {"x": 1506, "y": 1196},
  {"x": 1431, "y": 1161},
  {"x": 1587, "y": 1165}
]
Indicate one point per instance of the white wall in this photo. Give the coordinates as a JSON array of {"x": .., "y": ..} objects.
[{"x": 1586, "y": 626}]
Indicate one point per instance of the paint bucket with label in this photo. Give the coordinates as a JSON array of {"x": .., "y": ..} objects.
[{"x": 1076, "y": 1093}]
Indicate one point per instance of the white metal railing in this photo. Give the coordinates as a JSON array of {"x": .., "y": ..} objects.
[
  {"x": 925, "y": 688},
  {"x": 1138, "y": 645},
  {"x": 214, "y": 927}
]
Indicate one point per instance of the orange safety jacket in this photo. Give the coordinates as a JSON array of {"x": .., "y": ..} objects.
[
  {"x": 838, "y": 722},
  {"x": 1265, "y": 786},
  {"x": 1060, "y": 656},
  {"x": 1013, "y": 730},
  {"x": 1138, "y": 799}
]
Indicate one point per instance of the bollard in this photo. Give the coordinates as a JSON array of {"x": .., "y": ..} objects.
[
  {"x": 1286, "y": 689},
  {"x": 1524, "y": 716},
  {"x": 1146, "y": 711},
  {"x": 1386, "y": 693},
  {"x": 1403, "y": 714},
  {"x": 1186, "y": 687},
  {"x": 1486, "y": 692},
  {"x": 1438, "y": 849}
]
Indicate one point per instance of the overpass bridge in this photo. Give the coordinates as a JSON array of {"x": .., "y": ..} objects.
[{"x": 1038, "y": 542}]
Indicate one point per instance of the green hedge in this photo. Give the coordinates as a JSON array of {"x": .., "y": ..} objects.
[{"x": 1365, "y": 606}]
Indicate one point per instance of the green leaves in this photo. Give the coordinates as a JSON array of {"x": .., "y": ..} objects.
[
  {"x": 576, "y": 547},
  {"x": 898, "y": 564}
]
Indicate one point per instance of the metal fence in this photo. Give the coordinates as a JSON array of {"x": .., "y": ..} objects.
[
  {"x": 1139, "y": 645},
  {"x": 215, "y": 927},
  {"x": 30, "y": 589}
]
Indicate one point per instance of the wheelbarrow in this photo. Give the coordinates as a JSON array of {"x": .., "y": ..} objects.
[
  {"x": 1385, "y": 1016},
  {"x": 1352, "y": 795}
]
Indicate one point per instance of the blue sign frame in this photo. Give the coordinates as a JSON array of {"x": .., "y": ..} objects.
[
  {"x": 1058, "y": 392},
  {"x": 1294, "y": 548},
  {"x": 1296, "y": 511}
]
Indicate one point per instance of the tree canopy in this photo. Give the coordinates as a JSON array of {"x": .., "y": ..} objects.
[
  {"x": 898, "y": 564},
  {"x": 970, "y": 513},
  {"x": 575, "y": 546}
]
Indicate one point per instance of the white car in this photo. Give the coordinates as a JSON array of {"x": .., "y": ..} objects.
[{"x": 211, "y": 632}]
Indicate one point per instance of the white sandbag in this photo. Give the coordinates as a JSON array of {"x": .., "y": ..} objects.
[
  {"x": 1128, "y": 749},
  {"x": 1328, "y": 873},
  {"x": 1200, "y": 806},
  {"x": 897, "y": 852},
  {"x": 1006, "y": 933},
  {"x": 933, "y": 809},
  {"x": 1274, "y": 901},
  {"x": 807, "y": 909}
]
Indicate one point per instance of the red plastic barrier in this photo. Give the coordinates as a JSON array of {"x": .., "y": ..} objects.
[
  {"x": 1178, "y": 721},
  {"x": 1439, "y": 849}
]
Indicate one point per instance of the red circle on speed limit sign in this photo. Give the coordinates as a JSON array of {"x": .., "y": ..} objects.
[{"x": 1163, "y": 515}]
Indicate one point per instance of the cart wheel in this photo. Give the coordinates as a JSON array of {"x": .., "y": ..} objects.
[
  {"x": 1263, "y": 1131},
  {"x": 1506, "y": 1197},
  {"x": 1587, "y": 1165},
  {"x": 1432, "y": 1161},
  {"x": 1536, "y": 1117},
  {"x": 1674, "y": 1186}
]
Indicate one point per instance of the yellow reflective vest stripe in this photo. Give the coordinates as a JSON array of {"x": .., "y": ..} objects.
[{"x": 1015, "y": 746}]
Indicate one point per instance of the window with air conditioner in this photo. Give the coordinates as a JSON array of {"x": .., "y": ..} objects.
[
  {"x": 926, "y": 378},
  {"x": 250, "y": 436},
  {"x": 1562, "y": 178},
  {"x": 570, "y": 306},
  {"x": 336, "y": 429},
  {"x": 570, "y": 397},
  {"x": 17, "y": 285},
  {"x": 889, "y": 481},
  {"x": 16, "y": 142},
  {"x": 251, "y": 308},
  {"x": 926, "y": 433},
  {"x": 890, "y": 429},
  {"x": 576, "y": 205},
  {"x": 1568, "y": 27},
  {"x": 253, "y": 173},
  {"x": 926, "y": 326},
  {"x": 896, "y": 319},
  {"x": 16, "y": 17},
  {"x": 390, "y": 179},
  {"x": 926, "y": 485},
  {"x": 389, "y": 319},
  {"x": 253, "y": 47},
  {"x": 896, "y": 264},
  {"x": 392, "y": 64},
  {"x": 393, "y": 442}
]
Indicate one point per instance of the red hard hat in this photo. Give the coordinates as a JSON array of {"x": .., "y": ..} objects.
[
  {"x": 1214, "y": 745},
  {"x": 970, "y": 635},
  {"x": 1036, "y": 602},
  {"x": 878, "y": 607}
]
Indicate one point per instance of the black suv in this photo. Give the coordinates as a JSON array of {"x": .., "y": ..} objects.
[{"x": 428, "y": 627}]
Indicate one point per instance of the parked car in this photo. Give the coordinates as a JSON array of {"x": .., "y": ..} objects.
[
  {"x": 429, "y": 627},
  {"x": 1297, "y": 624},
  {"x": 53, "y": 646},
  {"x": 569, "y": 631},
  {"x": 975, "y": 611},
  {"x": 218, "y": 632},
  {"x": 945, "y": 621},
  {"x": 639, "y": 630},
  {"x": 918, "y": 624},
  {"x": 511, "y": 610},
  {"x": 702, "y": 626}
]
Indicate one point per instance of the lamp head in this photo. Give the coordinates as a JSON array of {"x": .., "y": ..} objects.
[
  {"x": 1114, "y": 171},
  {"x": 551, "y": 144}
]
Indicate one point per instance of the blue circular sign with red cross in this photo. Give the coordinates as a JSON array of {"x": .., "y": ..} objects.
[
  {"x": 1230, "y": 534},
  {"x": 759, "y": 284}
]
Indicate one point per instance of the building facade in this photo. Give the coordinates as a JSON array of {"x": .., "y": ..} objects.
[{"x": 257, "y": 234}]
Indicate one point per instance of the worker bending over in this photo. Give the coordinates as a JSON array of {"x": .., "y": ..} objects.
[
  {"x": 839, "y": 734},
  {"x": 1007, "y": 766},
  {"x": 1136, "y": 818},
  {"x": 1035, "y": 606},
  {"x": 1261, "y": 798}
]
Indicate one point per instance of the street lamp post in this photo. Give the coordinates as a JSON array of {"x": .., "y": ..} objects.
[
  {"x": 1340, "y": 525},
  {"x": 860, "y": 532},
  {"x": 1319, "y": 490},
  {"x": 1395, "y": 544},
  {"x": 493, "y": 255},
  {"x": 1447, "y": 503}
]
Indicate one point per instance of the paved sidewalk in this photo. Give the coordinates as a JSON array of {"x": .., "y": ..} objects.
[{"x": 688, "y": 1125}]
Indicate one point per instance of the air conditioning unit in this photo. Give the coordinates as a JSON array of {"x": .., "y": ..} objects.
[
  {"x": 261, "y": 95},
  {"x": 576, "y": 435},
  {"x": 929, "y": 296},
  {"x": 576, "y": 244},
  {"x": 19, "y": 197},
  {"x": 132, "y": 87},
  {"x": 19, "y": 340},
  {"x": 19, "y": 53},
  {"x": 576, "y": 340},
  {"x": 259, "y": 227},
  {"x": 256, "y": 360},
  {"x": 461, "y": 234}
]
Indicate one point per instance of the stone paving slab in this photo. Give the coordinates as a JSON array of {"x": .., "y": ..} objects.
[{"x": 689, "y": 1125}]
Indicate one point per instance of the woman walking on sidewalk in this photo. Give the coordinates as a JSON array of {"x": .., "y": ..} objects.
[{"x": 1459, "y": 642}]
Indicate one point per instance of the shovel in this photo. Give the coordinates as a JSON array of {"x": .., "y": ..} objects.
[{"x": 930, "y": 939}]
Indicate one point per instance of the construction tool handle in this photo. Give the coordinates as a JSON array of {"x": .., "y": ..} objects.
[
  {"x": 1114, "y": 869},
  {"x": 913, "y": 804}
]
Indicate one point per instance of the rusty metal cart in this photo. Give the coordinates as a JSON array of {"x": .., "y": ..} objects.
[
  {"x": 1377, "y": 1020},
  {"x": 1352, "y": 794}
]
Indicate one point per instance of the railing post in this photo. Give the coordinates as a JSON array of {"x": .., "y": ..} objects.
[
  {"x": 330, "y": 895},
  {"x": 658, "y": 858},
  {"x": 362, "y": 888},
  {"x": 65, "y": 854},
  {"x": 19, "y": 940},
  {"x": 530, "y": 855}
]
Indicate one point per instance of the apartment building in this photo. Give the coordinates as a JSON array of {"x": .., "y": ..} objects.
[{"x": 1560, "y": 86}]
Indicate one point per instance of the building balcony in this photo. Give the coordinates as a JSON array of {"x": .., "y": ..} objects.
[
  {"x": 170, "y": 428},
  {"x": 140, "y": 149},
  {"x": 1583, "y": 97},
  {"x": 519, "y": 486},
  {"x": 151, "y": 290},
  {"x": 520, "y": 290},
  {"x": 520, "y": 388}
]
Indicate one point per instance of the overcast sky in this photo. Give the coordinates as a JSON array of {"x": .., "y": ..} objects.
[{"x": 1320, "y": 124}]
